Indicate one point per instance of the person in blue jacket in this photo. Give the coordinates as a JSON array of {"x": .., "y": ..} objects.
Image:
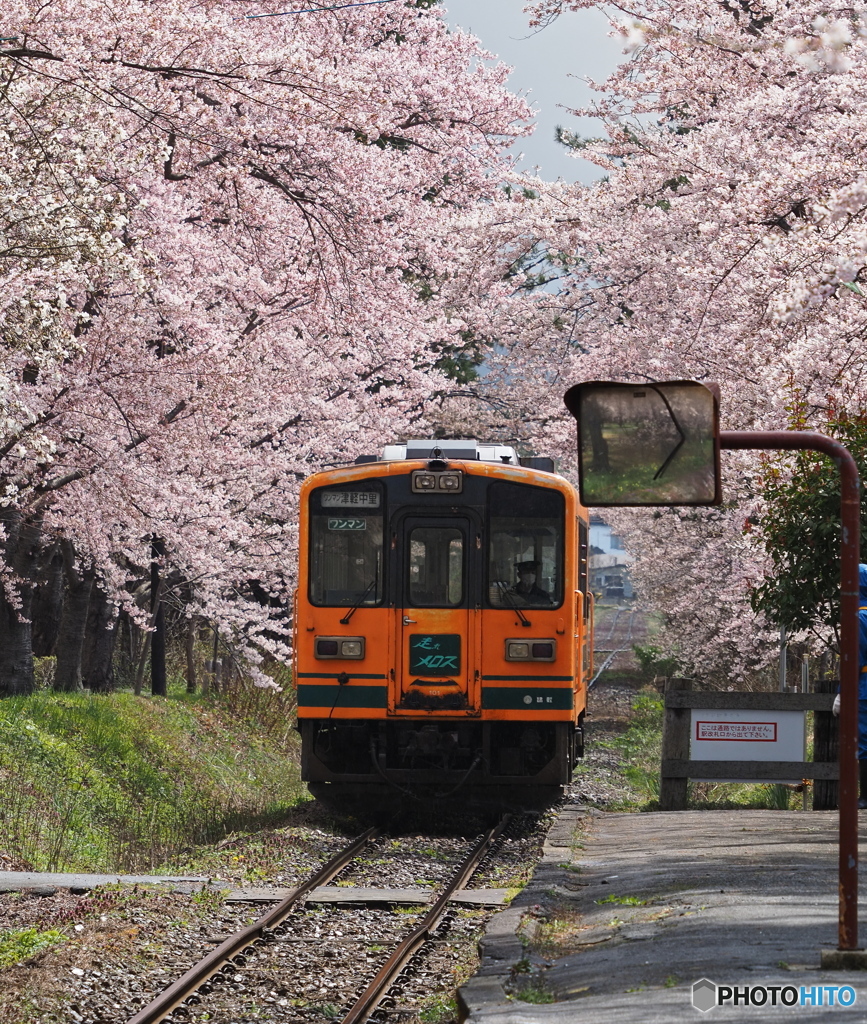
[{"x": 862, "y": 687}]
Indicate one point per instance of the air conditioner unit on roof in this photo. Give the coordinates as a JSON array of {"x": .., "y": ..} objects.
[{"x": 476, "y": 451}]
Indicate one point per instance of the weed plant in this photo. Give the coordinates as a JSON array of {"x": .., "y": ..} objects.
[
  {"x": 641, "y": 746},
  {"x": 20, "y": 944},
  {"x": 534, "y": 994},
  {"x": 122, "y": 783}
]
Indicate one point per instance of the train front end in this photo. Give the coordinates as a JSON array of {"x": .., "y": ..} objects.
[{"x": 442, "y": 627}]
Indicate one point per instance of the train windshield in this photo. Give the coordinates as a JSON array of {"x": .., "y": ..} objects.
[
  {"x": 525, "y": 546},
  {"x": 346, "y": 560}
]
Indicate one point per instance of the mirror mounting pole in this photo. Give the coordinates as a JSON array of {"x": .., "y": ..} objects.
[{"x": 850, "y": 509}]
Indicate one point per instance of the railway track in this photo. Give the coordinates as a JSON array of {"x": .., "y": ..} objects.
[
  {"x": 626, "y": 626},
  {"x": 275, "y": 947},
  {"x": 611, "y": 631}
]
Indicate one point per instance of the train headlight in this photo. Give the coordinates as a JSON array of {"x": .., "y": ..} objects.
[
  {"x": 453, "y": 482},
  {"x": 531, "y": 650},
  {"x": 422, "y": 481},
  {"x": 339, "y": 647}
]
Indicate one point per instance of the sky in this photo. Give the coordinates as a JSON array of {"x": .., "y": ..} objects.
[{"x": 549, "y": 65}]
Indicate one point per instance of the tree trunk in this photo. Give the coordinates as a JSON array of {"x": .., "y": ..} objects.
[
  {"x": 47, "y": 602},
  {"x": 158, "y": 621},
  {"x": 216, "y": 681},
  {"x": 192, "y": 632},
  {"x": 73, "y": 622},
  {"x": 99, "y": 643},
  {"x": 146, "y": 638},
  {"x": 21, "y": 549}
]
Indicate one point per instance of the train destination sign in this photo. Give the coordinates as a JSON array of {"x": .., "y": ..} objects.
[{"x": 350, "y": 499}]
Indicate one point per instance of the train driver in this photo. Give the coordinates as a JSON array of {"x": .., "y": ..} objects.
[{"x": 526, "y": 585}]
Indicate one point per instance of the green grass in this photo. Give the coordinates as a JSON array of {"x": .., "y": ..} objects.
[
  {"x": 640, "y": 746},
  {"x": 534, "y": 994},
  {"x": 121, "y": 783},
  {"x": 624, "y": 901},
  {"x": 21, "y": 944},
  {"x": 439, "y": 1008}
]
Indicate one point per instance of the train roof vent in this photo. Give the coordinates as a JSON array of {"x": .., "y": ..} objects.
[
  {"x": 450, "y": 449},
  {"x": 480, "y": 451}
]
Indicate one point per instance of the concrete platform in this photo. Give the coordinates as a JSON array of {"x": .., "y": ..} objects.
[
  {"x": 43, "y": 883},
  {"x": 651, "y": 904},
  {"x": 46, "y": 882}
]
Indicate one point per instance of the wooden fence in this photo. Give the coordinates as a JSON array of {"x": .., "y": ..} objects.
[{"x": 677, "y": 769}]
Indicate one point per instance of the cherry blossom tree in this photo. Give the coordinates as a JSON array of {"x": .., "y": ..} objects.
[
  {"x": 232, "y": 255},
  {"x": 725, "y": 243}
]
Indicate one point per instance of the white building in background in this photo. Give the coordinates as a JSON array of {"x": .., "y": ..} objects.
[{"x": 609, "y": 562}]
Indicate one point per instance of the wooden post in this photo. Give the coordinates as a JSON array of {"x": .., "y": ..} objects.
[
  {"x": 675, "y": 746},
  {"x": 826, "y": 738}
]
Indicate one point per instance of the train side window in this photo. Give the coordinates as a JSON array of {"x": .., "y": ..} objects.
[
  {"x": 346, "y": 546},
  {"x": 436, "y": 567},
  {"x": 525, "y": 546},
  {"x": 583, "y": 556}
]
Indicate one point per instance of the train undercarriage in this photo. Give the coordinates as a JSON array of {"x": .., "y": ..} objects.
[{"x": 505, "y": 762}]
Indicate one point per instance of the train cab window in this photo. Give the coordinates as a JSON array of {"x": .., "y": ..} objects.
[
  {"x": 346, "y": 549},
  {"x": 525, "y": 546},
  {"x": 436, "y": 567}
]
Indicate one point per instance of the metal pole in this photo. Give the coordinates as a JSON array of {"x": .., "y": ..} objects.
[{"x": 850, "y": 508}]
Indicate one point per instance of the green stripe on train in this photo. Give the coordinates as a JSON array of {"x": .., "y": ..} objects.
[
  {"x": 526, "y": 698},
  {"x": 323, "y": 696},
  {"x": 337, "y": 675}
]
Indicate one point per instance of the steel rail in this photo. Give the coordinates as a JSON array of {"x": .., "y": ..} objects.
[
  {"x": 612, "y": 652},
  {"x": 367, "y": 1002},
  {"x": 172, "y": 997},
  {"x": 613, "y": 627}
]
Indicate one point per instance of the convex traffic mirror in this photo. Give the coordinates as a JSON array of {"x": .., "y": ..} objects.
[{"x": 648, "y": 444}]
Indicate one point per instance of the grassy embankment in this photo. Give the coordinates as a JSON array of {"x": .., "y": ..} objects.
[{"x": 120, "y": 783}]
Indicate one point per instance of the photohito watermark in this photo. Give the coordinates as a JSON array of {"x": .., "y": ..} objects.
[{"x": 707, "y": 994}]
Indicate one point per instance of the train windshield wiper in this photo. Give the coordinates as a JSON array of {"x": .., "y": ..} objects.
[
  {"x": 351, "y": 611},
  {"x": 505, "y": 592}
]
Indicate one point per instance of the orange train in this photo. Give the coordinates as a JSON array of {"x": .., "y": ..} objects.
[{"x": 443, "y": 625}]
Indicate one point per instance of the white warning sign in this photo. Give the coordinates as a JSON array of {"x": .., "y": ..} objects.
[
  {"x": 756, "y": 732},
  {"x": 747, "y": 735}
]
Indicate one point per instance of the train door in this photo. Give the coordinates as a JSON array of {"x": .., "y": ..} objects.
[{"x": 436, "y": 663}]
